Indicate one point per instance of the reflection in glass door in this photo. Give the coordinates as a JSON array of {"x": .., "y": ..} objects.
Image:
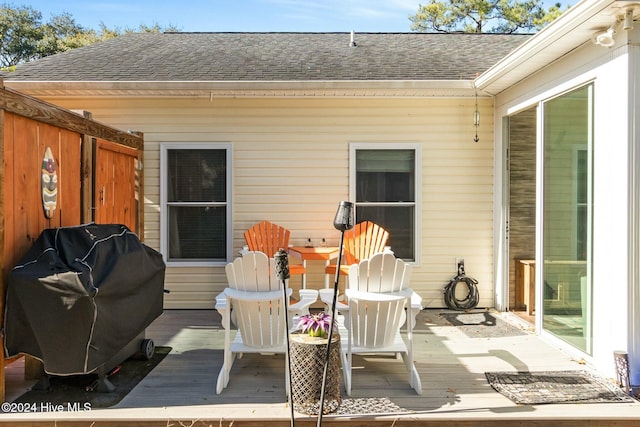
[{"x": 567, "y": 216}]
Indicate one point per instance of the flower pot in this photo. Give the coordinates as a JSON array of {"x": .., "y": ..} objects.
[{"x": 307, "y": 367}]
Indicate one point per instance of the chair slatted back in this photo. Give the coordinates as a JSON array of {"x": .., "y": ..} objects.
[
  {"x": 260, "y": 312},
  {"x": 377, "y": 317},
  {"x": 261, "y": 322},
  {"x": 253, "y": 272},
  {"x": 363, "y": 241},
  {"x": 267, "y": 237},
  {"x": 375, "y": 323},
  {"x": 383, "y": 272}
]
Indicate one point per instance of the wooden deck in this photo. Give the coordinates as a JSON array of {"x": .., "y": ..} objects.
[{"x": 181, "y": 390}]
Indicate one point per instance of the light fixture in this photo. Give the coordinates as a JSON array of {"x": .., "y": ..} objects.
[
  {"x": 605, "y": 38},
  {"x": 343, "y": 221},
  {"x": 476, "y": 119},
  {"x": 628, "y": 20},
  {"x": 282, "y": 273}
]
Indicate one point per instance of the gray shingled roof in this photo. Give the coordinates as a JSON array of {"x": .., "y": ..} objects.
[{"x": 275, "y": 57}]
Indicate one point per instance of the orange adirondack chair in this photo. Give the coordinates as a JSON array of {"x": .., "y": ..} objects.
[
  {"x": 269, "y": 238},
  {"x": 361, "y": 242}
]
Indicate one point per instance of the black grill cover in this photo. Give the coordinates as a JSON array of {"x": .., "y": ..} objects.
[{"x": 80, "y": 295}]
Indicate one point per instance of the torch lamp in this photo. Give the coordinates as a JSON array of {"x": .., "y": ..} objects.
[
  {"x": 343, "y": 221},
  {"x": 282, "y": 273}
]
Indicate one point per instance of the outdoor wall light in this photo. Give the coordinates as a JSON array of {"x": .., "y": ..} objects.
[
  {"x": 476, "y": 119},
  {"x": 628, "y": 20},
  {"x": 605, "y": 38}
]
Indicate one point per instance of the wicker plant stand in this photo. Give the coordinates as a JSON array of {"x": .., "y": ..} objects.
[{"x": 307, "y": 366}]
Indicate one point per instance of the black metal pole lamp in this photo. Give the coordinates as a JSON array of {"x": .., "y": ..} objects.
[
  {"x": 282, "y": 273},
  {"x": 343, "y": 222}
]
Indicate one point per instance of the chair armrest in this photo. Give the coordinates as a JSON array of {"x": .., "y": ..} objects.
[
  {"x": 326, "y": 296},
  {"x": 415, "y": 307},
  {"x": 221, "y": 301},
  {"x": 379, "y": 296},
  {"x": 255, "y": 296},
  {"x": 307, "y": 297},
  {"x": 416, "y": 301},
  {"x": 222, "y": 308}
]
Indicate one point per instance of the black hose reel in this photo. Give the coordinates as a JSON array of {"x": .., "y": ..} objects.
[{"x": 470, "y": 300}]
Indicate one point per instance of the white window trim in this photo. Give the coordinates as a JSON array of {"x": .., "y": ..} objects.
[
  {"x": 417, "y": 147},
  {"x": 164, "y": 234}
]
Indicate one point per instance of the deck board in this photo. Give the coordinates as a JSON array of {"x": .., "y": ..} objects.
[{"x": 451, "y": 366}]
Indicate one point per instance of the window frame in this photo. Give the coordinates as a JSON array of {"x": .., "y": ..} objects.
[
  {"x": 164, "y": 203},
  {"x": 417, "y": 203}
]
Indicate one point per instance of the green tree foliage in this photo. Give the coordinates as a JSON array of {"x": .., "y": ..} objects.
[
  {"x": 20, "y": 33},
  {"x": 25, "y": 37},
  {"x": 483, "y": 16}
]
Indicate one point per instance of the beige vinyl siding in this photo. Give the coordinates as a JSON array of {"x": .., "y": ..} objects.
[{"x": 290, "y": 166}]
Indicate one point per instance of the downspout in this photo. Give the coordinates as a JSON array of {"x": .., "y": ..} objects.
[{"x": 500, "y": 230}]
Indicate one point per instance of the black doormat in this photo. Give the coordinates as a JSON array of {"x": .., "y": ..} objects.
[
  {"x": 534, "y": 388},
  {"x": 78, "y": 392}
]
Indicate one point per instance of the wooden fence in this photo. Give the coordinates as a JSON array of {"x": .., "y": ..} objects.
[{"x": 87, "y": 171}]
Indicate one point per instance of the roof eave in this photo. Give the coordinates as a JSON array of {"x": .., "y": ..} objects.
[
  {"x": 317, "y": 88},
  {"x": 571, "y": 30}
]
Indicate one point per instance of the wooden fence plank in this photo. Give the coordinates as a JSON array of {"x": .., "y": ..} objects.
[
  {"x": 115, "y": 185},
  {"x": 6, "y": 133},
  {"x": 28, "y": 127},
  {"x": 33, "y": 108},
  {"x": 69, "y": 200}
]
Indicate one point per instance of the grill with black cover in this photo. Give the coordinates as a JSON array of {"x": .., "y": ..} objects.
[{"x": 81, "y": 298}]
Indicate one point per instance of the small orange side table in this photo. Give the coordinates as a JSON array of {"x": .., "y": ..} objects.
[{"x": 314, "y": 253}]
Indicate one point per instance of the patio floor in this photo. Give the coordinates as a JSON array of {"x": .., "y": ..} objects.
[{"x": 451, "y": 360}]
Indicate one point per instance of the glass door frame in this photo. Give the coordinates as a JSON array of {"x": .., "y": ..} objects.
[{"x": 540, "y": 185}]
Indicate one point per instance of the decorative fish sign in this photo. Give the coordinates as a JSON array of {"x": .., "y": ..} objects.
[{"x": 49, "y": 184}]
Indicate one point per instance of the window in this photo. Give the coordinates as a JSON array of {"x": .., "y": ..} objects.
[
  {"x": 384, "y": 184},
  {"x": 196, "y": 203}
]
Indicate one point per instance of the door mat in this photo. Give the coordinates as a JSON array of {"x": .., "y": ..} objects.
[
  {"x": 75, "y": 393},
  {"x": 535, "y": 388},
  {"x": 363, "y": 406},
  {"x": 477, "y": 323}
]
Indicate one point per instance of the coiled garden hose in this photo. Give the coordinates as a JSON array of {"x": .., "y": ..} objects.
[{"x": 472, "y": 298}]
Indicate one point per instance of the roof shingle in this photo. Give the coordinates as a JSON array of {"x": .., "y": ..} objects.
[{"x": 196, "y": 57}]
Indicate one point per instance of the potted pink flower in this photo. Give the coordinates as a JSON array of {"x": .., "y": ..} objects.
[{"x": 315, "y": 324}]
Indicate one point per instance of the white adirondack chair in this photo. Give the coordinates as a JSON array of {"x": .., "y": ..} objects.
[
  {"x": 377, "y": 296},
  {"x": 255, "y": 302}
]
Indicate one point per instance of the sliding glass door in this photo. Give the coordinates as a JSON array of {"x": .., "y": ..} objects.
[{"x": 567, "y": 216}]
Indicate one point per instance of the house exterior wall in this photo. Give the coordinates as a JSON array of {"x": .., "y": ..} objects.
[
  {"x": 608, "y": 69},
  {"x": 291, "y": 166}
]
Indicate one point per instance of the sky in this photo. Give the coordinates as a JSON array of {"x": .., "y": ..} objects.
[{"x": 238, "y": 15}]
